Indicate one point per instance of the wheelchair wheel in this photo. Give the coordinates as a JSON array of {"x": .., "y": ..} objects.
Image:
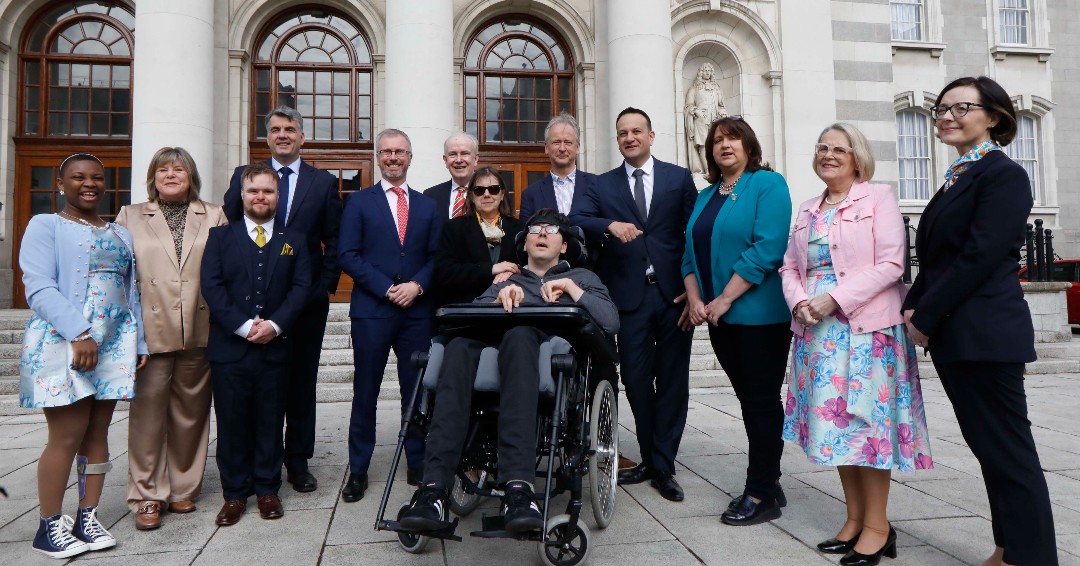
[
  {"x": 560, "y": 546},
  {"x": 462, "y": 503},
  {"x": 604, "y": 463},
  {"x": 412, "y": 543}
]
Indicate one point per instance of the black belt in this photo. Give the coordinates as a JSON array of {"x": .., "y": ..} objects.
[{"x": 650, "y": 278}]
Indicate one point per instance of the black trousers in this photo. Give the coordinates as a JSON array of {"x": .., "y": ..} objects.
[
  {"x": 248, "y": 402},
  {"x": 519, "y": 370},
  {"x": 307, "y": 336},
  {"x": 655, "y": 366},
  {"x": 991, "y": 409},
  {"x": 755, "y": 359}
]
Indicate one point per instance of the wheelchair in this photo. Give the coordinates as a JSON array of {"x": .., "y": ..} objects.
[{"x": 577, "y": 424}]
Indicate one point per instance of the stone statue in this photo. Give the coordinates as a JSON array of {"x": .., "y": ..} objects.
[{"x": 704, "y": 104}]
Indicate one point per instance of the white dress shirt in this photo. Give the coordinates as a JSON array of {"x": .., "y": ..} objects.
[
  {"x": 564, "y": 190},
  {"x": 647, "y": 181},
  {"x": 295, "y": 166},
  {"x": 453, "y": 194},
  {"x": 391, "y": 197},
  {"x": 268, "y": 231}
]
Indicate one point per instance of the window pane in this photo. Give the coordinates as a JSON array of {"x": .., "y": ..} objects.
[
  {"x": 121, "y": 100},
  {"x": 42, "y": 177},
  {"x": 121, "y": 125},
  {"x": 32, "y": 99},
  {"x": 341, "y": 129},
  {"x": 80, "y": 124},
  {"x": 33, "y": 73},
  {"x": 341, "y": 106},
  {"x": 58, "y": 98},
  {"x": 80, "y": 99},
  {"x": 363, "y": 106},
  {"x": 99, "y": 99},
  {"x": 363, "y": 83},
  {"x": 913, "y": 154},
  {"x": 341, "y": 83},
  {"x": 262, "y": 79},
  {"x": 32, "y": 124},
  {"x": 322, "y": 82},
  {"x": 99, "y": 124}
]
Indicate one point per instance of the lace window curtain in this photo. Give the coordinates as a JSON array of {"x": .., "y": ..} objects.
[
  {"x": 1024, "y": 150},
  {"x": 1014, "y": 22},
  {"x": 913, "y": 154},
  {"x": 907, "y": 19}
]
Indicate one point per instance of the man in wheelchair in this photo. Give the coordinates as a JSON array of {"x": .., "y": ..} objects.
[{"x": 547, "y": 278}]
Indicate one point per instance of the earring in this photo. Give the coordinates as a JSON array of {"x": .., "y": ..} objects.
[{"x": 61, "y": 192}]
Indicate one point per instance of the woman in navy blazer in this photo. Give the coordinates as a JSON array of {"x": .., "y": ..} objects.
[
  {"x": 735, "y": 243},
  {"x": 967, "y": 308},
  {"x": 479, "y": 245}
]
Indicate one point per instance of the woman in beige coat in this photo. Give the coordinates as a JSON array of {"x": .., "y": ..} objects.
[{"x": 169, "y": 423}]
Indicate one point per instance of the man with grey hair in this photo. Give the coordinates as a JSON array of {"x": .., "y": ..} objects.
[
  {"x": 389, "y": 235},
  {"x": 557, "y": 190},
  {"x": 460, "y": 154},
  {"x": 309, "y": 206}
]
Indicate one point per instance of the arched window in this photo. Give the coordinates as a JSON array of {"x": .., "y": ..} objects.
[
  {"x": 518, "y": 74},
  {"x": 318, "y": 62},
  {"x": 76, "y": 72},
  {"x": 913, "y": 152}
]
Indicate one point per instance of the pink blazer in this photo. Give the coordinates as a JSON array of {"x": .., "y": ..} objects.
[{"x": 867, "y": 245}]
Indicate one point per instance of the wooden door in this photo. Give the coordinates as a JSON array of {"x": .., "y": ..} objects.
[{"x": 352, "y": 175}]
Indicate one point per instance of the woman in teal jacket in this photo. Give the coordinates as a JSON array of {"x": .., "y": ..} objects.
[{"x": 735, "y": 243}]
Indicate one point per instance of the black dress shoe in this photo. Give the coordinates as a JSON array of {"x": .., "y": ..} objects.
[
  {"x": 750, "y": 513},
  {"x": 853, "y": 558},
  {"x": 354, "y": 488},
  {"x": 667, "y": 486},
  {"x": 303, "y": 481},
  {"x": 637, "y": 474},
  {"x": 837, "y": 546},
  {"x": 413, "y": 477},
  {"x": 781, "y": 499}
]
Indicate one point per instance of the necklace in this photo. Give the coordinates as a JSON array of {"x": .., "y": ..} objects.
[
  {"x": 726, "y": 189},
  {"x": 831, "y": 203},
  {"x": 74, "y": 218}
]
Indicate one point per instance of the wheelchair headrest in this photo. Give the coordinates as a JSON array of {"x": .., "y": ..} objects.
[{"x": 576, "y": 254}]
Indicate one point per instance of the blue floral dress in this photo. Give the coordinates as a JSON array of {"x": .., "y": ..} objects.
[
  {"x": 46, "y": 378},
  {"x": 853, "y": 399}
]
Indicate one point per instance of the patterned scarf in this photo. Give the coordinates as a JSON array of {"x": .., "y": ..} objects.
[
  {"x": 493, "y": 232},
  {"x": 967, "y": 160}
]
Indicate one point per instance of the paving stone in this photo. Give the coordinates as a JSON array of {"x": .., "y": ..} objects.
[
  {"x": 715, "y": 543},
  {"x": 110, "y": 558},
  {"x": 382, "y": 553},
  {"x": 294, "y": 540},
  {"x": 967, "y": 539}
]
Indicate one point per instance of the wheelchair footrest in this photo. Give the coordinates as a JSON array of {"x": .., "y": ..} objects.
[
  {"x": 446, "y": 533},
  {"x": 494, "y": 527}
]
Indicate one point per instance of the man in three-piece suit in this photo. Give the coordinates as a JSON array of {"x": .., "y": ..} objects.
[
  {"x": 256, "y": 281},
  {"x": 460, "y": 154},
  {"x": 309, "y": 206},
  {"x": 640, "y": 209},
  {"x": 388, "y": 240}
]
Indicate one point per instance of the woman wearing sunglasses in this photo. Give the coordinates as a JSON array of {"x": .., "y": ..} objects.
[
  {"x": 479, "y": 245},
  {"x": 967, "y": 308}
]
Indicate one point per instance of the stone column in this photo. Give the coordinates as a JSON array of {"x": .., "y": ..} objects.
[
  {"x": 173, "y": 87},
  {"x": 641, "y": 72},
  {"x": 419, "y": 88}
]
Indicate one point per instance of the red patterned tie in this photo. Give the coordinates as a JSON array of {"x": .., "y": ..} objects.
[
  {"x": 402, "y": 213},
  {"x": 459, "y": 202}
]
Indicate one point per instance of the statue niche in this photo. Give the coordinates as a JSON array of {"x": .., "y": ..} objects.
[{"x": 704, "y": 104}]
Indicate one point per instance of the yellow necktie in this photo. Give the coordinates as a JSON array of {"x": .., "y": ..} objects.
[{"x": 260, "y": 236}]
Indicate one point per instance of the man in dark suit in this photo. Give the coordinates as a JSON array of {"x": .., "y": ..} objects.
[
  {"x": 388, "y": 240},
  {"x": 641, "y": 209},
  {"x": 256, "y": 281},
  {"x": 460, "y": 154},
  {"x": 557, "y": 190},
  {"x": 311, "y": 209}
]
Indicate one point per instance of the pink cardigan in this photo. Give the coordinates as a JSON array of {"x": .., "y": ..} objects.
[{"x": 867, "y": 245}]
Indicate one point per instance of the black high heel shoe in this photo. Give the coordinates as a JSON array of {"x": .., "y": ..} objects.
[
  {"x": 853, "y": 558},
  {"x": 837, "y": 546}
]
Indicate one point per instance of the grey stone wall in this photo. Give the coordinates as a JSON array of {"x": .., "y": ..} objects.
[{"x": 1065, "y": 64}]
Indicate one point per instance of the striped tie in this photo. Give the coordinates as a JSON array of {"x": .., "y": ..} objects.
[
  {"x": 459, "y": 203},
  {"x": 402, "y": 213}
]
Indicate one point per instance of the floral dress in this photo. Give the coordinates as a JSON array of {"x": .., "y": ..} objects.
[
  {"x": 853, "y": 399},
  {"x": 46, "y": 378}
]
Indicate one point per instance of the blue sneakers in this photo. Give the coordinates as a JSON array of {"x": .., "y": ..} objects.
[
  {"x": 54, "y": 538},
  {"x": 89, "y": 530}
]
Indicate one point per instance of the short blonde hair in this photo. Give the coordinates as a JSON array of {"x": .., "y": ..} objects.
[
  {"x": 864, "y": 157},
  {"x": 168, "y": 155}
]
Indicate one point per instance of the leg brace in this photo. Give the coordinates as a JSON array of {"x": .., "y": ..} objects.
[{"x": 84, "y": 468}]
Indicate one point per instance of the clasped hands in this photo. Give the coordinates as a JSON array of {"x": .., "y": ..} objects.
[
  {"x": 696, "y": 312},
  {"x": 512, "y": 295},
  {"x": 403, "y": 294},
  {"x": 812, "y": 311},
  {"x": 261, "y": 331}
]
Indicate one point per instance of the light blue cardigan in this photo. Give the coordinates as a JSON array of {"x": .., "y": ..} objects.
[
  {"x": 55, "y": 261},
  {"x": 749, "y": 237}
]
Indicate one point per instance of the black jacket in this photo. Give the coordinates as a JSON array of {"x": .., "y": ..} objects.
[{"x": 462, "y": 262}]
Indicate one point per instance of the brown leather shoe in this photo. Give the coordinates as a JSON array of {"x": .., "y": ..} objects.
[
  {"x": 181, "y": 507},
  {"x": 231, "y": 512},
  {"x": 626, "y": 463},
  {"x": 148, "y": 516},
  {"x": 270, "y": 506}
]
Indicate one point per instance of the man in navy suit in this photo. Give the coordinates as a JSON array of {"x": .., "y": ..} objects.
[
  {"x": 256, "y": 281},
  {"x": 388, "y": 239},
  {"x": 640, "y": 209},
  {"x": 460, "y": 154},
  {"x": 311, "y": 209},
  {"x": 558, "y": 189}
]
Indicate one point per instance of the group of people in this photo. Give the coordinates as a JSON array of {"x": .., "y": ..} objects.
[{"x": 231, "y": 303}]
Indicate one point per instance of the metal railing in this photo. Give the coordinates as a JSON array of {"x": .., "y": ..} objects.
[{"x": 1037, "y": 255}]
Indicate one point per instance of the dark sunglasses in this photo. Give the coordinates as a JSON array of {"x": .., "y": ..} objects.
[{"x": 478, "y": 190}]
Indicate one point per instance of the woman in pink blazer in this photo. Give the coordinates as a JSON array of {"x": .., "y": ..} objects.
[{"x": 853, "y": 399}]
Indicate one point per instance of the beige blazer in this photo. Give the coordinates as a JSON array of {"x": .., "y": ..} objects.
[{"x": 175, "y": 315}]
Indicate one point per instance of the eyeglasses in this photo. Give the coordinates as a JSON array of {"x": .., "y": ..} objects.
[
  {"x": 547, "y": 228},
  {"x": 493, "y": 190},
  {"x": 393, "y": 152},
  {"x": 840, "y": 151},
  {"x": 958, "y": 110}
]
